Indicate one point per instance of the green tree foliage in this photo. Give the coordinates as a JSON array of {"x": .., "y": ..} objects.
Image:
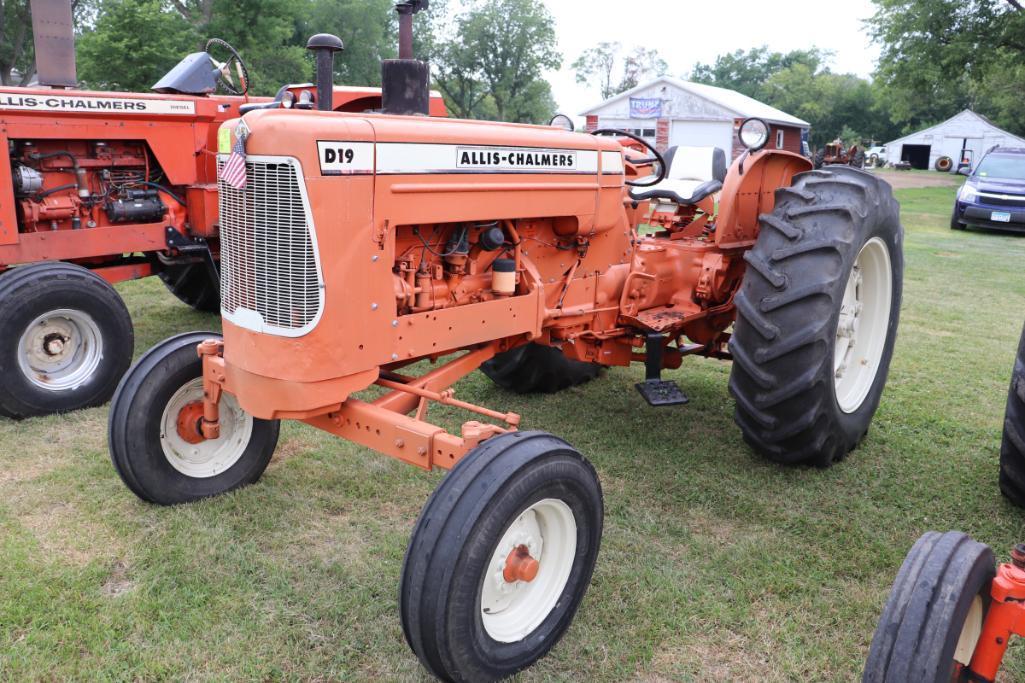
[
  {"x": 942, "y": 56},
  {"x": 800, "y": 83},
  {"x": 493, "y": 64},
  {"x": 16, "y": 51},
  {"x": 606, "y": 67}
]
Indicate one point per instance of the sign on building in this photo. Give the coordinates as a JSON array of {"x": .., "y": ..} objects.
[{"x": 645, "y": 108}]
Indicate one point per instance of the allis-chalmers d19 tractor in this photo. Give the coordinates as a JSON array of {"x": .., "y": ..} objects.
[
  {"x": 951, "y": 614},
  {"x": 365, "y": 249},
  {"x": 103, "y": 187},
  {"x": 836, "y": 153}
]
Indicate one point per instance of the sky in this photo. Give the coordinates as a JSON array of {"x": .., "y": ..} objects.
[{"x": 686, "y": 32}]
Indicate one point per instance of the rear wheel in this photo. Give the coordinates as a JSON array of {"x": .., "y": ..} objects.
[
  {"x": 154, "y": 430},
  {"x": 944, "y": 164},
  {"x": 191, "y": 283},
  {"x": 817, "y": 317},
  {"x": 501, "y": 557},
  {"x": 65, "y": 339},
  {"x": 934, "y": 615},
  {"x": 858, "y": 159},
  {"x": 534, "y": 368},
  {"x": 1012, "y": 446},
  {"x": 819, "y": 160}
]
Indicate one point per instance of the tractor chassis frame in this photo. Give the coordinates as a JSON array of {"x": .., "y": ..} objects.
[{"x": 384, "y": 424}]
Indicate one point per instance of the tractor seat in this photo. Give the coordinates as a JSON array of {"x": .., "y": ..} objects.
[{"x": 693, "y": 174}]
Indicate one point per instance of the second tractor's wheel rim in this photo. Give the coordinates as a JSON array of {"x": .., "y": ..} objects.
[
  {"x": 970, "y": 633},
  {"x": 863, "y": 326},
  {"x": 515, "y": 600},
  {"x": 197, "y": 457},
  {"x": 60, "y": 350}
]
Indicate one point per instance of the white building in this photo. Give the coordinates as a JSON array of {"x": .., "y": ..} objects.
[
  {"x": 966, "y": 131},
  {"x": 668, "y": 111}
]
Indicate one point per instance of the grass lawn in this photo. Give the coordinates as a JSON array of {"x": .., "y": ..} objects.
[{"x": 715, "y": 565}]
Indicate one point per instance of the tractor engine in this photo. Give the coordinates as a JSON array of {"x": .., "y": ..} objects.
[{"x": 83, "y": 184}]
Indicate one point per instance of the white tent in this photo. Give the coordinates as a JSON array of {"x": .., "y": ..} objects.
[{"x": 966, "y": 131}]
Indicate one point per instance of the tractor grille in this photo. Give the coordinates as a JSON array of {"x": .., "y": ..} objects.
[{"x": 268, "y": 258}]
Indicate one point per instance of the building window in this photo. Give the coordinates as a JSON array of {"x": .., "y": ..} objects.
[
  {"x": 643, "y": 132},
  {"x": 779, "y": 139}
]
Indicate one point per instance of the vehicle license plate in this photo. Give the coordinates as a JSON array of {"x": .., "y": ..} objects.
[{"x": 1001, "y": 216}]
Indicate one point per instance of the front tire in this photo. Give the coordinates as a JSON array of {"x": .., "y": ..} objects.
[
  {"x": 153, "y": 430},
  {"x": 535, "y": 368},
  {"x": 817, "y": 317},
  {"x": 65, "y": 339},
  {"x": 1012, "y": 445},
  {"x": 501, "y": 557},
  {"x": 933, "y": 618}
]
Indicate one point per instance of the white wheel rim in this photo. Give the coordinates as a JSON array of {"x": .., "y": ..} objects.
[
  {"x": 511, "y": 611},
  {"x": 211, "y": 457},
  {"x": 863, "y": 325},
  {"x": 970, "y": 633},
  {"x": 60, "y": 350}
]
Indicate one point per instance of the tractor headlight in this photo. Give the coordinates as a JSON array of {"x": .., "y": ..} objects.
[
  {"x": 968, "y": 193},
  {"x": 754, "y": 134}
]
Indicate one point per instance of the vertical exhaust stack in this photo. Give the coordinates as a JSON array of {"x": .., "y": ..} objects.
[
  {"x": 405, "y": 82},
  {"x": 53, "y": 33},
  {"x": 324, "y": 46}
]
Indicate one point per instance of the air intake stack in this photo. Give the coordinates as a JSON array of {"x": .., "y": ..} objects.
[
  {"x": 324, "y": 46},
  {"x": 405, "y": 82}
]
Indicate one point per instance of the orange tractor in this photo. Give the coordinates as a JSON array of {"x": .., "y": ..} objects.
[
  {"x": 103, "y": 187},
  {"x": 951, "y": 614},
  {"x": 401, "y": 253},
  {"x": 836, "y": 153}
]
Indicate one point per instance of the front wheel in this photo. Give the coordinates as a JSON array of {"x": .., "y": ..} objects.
[
  {"x": 934, "y": 615},
  {"x": 65, "y": 339},
  {"x": 154, "y": 430},
  {"x": 501, "y": 557},
  {"x": 817, "y": 317}
]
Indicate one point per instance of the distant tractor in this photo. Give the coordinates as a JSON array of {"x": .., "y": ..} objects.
[{"x": 835, "y": 153}]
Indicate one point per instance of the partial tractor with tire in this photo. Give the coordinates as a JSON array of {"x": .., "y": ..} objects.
[
  {"x": 103, "y": 187},
  {"x": 837, "y": 153},
  {"x": 406, "y": 252},
  {"x": 951, "y": 614}
]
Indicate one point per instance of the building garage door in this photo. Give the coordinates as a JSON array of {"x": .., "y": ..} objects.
[{"x": 916, "y": 155}]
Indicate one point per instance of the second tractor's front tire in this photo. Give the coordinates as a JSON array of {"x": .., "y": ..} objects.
[
  {"x": 501, "y": 557},
  {"x": 817, "y": 317},
  {"x": 153, "y": 430}
]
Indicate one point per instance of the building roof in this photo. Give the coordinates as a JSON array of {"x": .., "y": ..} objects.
[
  {"x": 977, "y": 119},
  {"x": 740, "y": 104}
]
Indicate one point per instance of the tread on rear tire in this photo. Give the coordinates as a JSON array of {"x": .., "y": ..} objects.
[
  {"x": 1012, "y": 444},
  {"x": 66, "y": 338},
  {"x": 936, "y": 607},
  {"x": 535, "y": 368},
  {"x": 191, "y": 283},
  {"x": 784, "y": 377}
]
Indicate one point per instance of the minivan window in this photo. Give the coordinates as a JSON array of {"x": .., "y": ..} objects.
[{"x": 1009, "y": 166}]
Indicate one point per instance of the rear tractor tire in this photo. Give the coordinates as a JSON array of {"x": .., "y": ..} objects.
[
  {"x": 933, "y": 618},
  {"x": 858, "y": 159},
  {"x": 817, "y": 317},
  {"x": 1012, "y": 445},
  {"x": 501, "y": 557},
  {"x": 65, "y": 339},
  {"x": 534, "y": 368},
  {"x": 153, "y": 430},
  {"x": 191, "y": 283},
  {"x": 819, "y": 160}
]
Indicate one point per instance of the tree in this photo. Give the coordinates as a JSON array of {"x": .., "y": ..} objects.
[
  {"x": 748, "y": 71},
  {"x": 493, "y": 66},
  {"x": 605, "y": 67},
  {"x": 367, "y": 29},
  {"x": 16, "y": 51},
  {"x": 941, "y": 56}
]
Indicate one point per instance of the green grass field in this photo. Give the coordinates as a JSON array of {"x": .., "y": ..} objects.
[{"x": 716, "y": 565}]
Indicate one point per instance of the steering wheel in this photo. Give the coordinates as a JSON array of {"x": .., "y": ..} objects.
[
  {"x": 224, "y": 77},
  {"x": 656, "y": 156}
]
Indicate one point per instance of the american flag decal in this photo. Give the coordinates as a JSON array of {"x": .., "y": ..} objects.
[{"x": 234, "y": 171}]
